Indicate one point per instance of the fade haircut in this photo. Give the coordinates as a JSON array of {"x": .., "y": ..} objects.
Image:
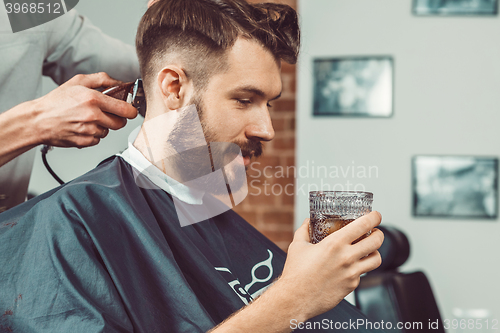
[{"x": 199, "y": 32}]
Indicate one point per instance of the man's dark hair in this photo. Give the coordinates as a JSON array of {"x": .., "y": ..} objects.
[{"x": 199, "y": 32}]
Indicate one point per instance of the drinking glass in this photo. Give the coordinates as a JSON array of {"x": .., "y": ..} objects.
[{"x": 332, "y": 210}]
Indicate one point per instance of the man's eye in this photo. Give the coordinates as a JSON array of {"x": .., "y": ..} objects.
[
  {"x": 244, "y": 101},
  {"x": 269, "y": 105}
]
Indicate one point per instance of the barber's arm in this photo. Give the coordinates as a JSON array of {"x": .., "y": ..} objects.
[
  {"x": 76, "y": 46},
  {"x": 73, "y": 115},
  {"x": 315, "y": 278}
]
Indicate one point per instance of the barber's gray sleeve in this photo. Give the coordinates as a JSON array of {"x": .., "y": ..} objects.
[{"x": 76, "y": 46}]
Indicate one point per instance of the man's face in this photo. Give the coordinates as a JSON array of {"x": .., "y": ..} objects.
[
  {"x": 233, "y": 108},
  {"x": 235, "y": 104}
]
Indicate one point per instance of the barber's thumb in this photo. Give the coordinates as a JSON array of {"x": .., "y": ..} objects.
[{"x": 302, "y": 233}]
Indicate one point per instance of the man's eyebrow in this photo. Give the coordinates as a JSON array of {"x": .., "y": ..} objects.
[{"x": 256, "y": 91}]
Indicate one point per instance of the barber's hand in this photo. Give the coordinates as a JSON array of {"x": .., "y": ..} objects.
[
  {"x": 76, "y": 115},
  {"x": 321, "y": 275}
]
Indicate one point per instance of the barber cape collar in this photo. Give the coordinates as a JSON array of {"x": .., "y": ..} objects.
[
  {"x": 201, "y": 188},
  {"x": 142, "y": 166},
  {"x": 192, "y": 205}
]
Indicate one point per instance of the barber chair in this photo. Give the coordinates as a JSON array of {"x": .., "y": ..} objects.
[{"x": 388, "y": 295}]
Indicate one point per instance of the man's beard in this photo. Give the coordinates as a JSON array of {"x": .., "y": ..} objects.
[
  {"x": 189, "y": 164},
  {"x": 249, "y": 148}
]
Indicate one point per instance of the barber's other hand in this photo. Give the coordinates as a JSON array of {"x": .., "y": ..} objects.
[
  {"x": 76, "y": 115},
  {"x": 321, "y": 275}
]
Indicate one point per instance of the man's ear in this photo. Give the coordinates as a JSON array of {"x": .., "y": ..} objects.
[{"x": 174, "y": 86}]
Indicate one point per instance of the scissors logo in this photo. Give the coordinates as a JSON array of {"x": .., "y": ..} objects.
[
  {"x": 266, "y": 263},
  {"x": 243, "y": 292},
  {"x": 236, "y": 286}
]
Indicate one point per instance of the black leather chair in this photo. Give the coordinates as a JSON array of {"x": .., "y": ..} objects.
[{"x": 388, "y": 295}]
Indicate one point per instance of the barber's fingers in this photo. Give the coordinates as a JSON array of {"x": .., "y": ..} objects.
[
  {"x": 116, "y": 107},
  {"x": 104, "y": 102},
  {"x": 360, "y": 226},
  {"x": 108, "y": 120},
  {"x": 102, "y": 132},
  {"x": 83, "y": 141},
  {"x": 94, "y": 81},
  {"x": 90, "y": 130}
]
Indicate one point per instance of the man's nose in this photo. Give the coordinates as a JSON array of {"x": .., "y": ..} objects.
[{"x": 261, "y": 128}]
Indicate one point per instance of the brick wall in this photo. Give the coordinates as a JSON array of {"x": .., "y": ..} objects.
[{"x": 268, "y": 207}]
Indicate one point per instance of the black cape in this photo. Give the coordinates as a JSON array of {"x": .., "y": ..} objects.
[{"x": 101, "y": 254}]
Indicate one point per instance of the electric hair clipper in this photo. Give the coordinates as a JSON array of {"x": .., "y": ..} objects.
[{"x": 131, "y": 92}]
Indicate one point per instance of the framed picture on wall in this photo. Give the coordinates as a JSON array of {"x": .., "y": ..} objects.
[
  {"x": 455, "y": 186},
  {"x": 455, "y": 7},
  {"x": 354, "y": 86}
]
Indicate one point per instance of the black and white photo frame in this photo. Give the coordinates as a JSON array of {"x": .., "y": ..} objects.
[
  {"x": 455, "y": 7},
  {"x": 455, "y": 186},
  {"x": 354, "y": 86}
]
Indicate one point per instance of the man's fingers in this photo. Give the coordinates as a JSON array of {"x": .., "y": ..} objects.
[
  {"x": 370, "y": 262},
  {"x": 370, "y": 243},
  {"x": 361, "y": 226},
  {"x": 97, "y": 80},
  {"x": 302, "y": 233}
]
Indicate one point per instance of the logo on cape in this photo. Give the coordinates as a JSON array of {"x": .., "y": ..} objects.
[{"x": 244, "y": 292}]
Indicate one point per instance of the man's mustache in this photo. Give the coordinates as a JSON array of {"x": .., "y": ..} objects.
[
  {"x": 209, "y": 158},
  {"x": 223, "y": 153},
  {"x": 250, "y": 148}
]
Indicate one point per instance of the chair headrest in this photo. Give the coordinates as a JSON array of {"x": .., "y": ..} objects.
[{"x": 395, "y": 250}]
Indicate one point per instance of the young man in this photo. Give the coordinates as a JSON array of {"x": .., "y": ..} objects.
[{"x": 106, "y": 252}]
